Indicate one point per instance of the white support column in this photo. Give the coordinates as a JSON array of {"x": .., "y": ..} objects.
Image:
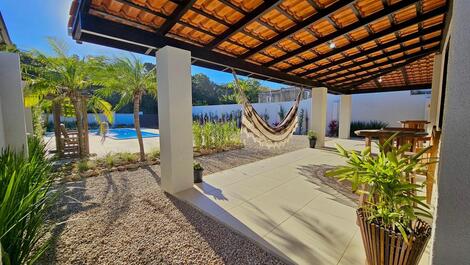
[
  {"x": 344, "y": 116},
  {"x": 175, "y": 118},
  {"x": 11, "y": 97},
  {"x": 435, "y": 91},
  {"x": 318, "y": 120},
  {"x": 452, "y": 216}
]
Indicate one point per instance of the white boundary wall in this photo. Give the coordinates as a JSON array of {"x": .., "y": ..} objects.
[{"x": 389, "y": 107}]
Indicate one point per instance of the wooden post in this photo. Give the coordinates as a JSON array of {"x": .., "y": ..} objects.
[{"x": 56, "y": 111}]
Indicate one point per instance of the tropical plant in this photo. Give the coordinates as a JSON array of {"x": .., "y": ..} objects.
[
  {"x": 25, "y": 198},
  {"x": 392, "y": 201},
  {"x": 131, "y": 79},
  {"x": 216, "y": 135},
  {"x": 197, "y": 166},
  {"x": 67, "y": 80},
  {"x": 311, "y": 135},
  {"x": 251, "y": 88},
  {"x": 333, "y": 128}
]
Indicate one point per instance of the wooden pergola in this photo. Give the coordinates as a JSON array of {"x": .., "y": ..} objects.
[{"x": 348, "y": 46}]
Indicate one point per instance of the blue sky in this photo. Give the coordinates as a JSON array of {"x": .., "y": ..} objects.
[{"x": 30, "y": 22}]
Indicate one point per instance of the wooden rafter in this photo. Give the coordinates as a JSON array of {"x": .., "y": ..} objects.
[
  {"x": 381, "y": 34},
  {"x": 373, "y": 76},
  {"x": 242, "y": 23},
  {"x": 384, "y": 55},
  {"x": 300, "y": 26},
  {"x": 175, "y": 16},
  {"x": 381, "y": 47}
]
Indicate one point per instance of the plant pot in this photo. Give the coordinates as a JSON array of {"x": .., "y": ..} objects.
[
  {"x": 312, "y": 142},
  {"x": 386, "y": 247},
  {"x": 198, "y": 175}
]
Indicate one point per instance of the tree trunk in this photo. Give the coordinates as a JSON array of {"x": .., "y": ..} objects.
[
  {"x": 78, "y": 119},
  {"x": 86, "y": 141},
  {"x": 137, "y": 98},
  {"x": 56, "y": 109}
]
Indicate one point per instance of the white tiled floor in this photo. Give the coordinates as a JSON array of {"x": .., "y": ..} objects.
[{"x": 275, "y": 203}]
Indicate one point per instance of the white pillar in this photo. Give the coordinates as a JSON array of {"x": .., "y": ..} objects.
[
  {"x": 344, "y": 116},
  {"x": 435, "y": 91},
  {"x": 318, "y": 120},
  {"x": 11, "y": 97},
  {"x": 452, "y": 216},
  {"x": 175, "y": 118}
]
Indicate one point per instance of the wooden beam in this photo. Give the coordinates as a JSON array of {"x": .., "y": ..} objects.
[
  {"x": 301, "y": 25},
  {"x": 391, "y": 89},
  {"x": 175, "y": 16},
  {"x": 105, "y": 32},
  {"x": 384, "y": 72},
  {"x": 377, "y": 48},
  {"x": 143, "y": 8},
  {"x": 388, "y": 62},
  {"x": 402, "y": 49},
  {"x": 360, "y": 23},
  {"x": 209, "y": 16},
  {"x": 382, "y": 33},
  {"x": 405, "y": 76},
  {"x": 233, "y": 6},
  {"x": 245, "y": 21}
]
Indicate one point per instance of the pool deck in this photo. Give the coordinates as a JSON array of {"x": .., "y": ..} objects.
[{"x": 109, "y": 145}]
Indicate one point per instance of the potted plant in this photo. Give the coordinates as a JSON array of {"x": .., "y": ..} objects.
[
  {"x": 312, "y": 138},
  {"x": 389, "y": 215},
  {"x": 197, "y": 172}
]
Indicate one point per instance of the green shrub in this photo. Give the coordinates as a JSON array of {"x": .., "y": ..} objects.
[
  {"x": 216, "y": 135},
  {"x": 127, "y": 157},
  {"x": 154, "y": 154},
  {"x": 366, "y": 125},
  {"x": 197, "y": 135},
  {"x": 311, "y": 135},
  {"x": 197, "y": 166},
  {"x": 25, "y": 185}
]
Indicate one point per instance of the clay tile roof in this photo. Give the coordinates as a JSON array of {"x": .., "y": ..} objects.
[{"x": 344, "y": 45}]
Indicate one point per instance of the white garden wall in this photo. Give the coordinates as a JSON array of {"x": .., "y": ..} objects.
[{"x": 389, "y": 107}]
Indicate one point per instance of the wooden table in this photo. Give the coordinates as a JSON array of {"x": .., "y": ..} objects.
[
  {"x": 416, "y": 124},
  {"x": 383, "y": 135}
]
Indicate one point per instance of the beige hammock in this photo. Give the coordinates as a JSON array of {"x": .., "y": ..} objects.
[{"x": 260, "y": 130}]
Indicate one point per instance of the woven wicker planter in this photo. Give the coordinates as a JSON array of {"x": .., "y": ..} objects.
[{"x": 385, "y": 247}]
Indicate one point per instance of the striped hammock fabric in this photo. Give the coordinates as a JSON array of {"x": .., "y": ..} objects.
[{"x": 255, "y": 126}]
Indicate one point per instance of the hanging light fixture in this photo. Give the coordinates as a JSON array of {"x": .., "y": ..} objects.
[
  {"x": 332, "y": 45},
  {"x": 380, "y": 79}
]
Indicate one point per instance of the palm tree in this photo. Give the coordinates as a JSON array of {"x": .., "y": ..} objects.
[
  {"x": 132, "y": 79},
  {"x": 68, "y": 79}
]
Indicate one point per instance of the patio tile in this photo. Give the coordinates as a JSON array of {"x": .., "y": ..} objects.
[
  {"x": 221, "y": 179},
  {"x": 354, "y": 253},
  {"x": 309, "y": 238},
  {"x": 215, "y": 202},
  {"x": 336, "y": 206},
  {"x": 248, "y": 220},
  {"x": 261, "y": 183}
]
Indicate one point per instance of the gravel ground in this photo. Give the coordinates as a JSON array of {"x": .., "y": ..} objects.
[{"x": 125, "y": 218}]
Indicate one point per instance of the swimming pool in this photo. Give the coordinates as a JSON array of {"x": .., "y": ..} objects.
[{"x": 126, "y": 133}]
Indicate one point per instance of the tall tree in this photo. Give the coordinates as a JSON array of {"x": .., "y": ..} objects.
[
  {"x": 131, "y": 79},
  {"x": 251, "y": 87},
  {"x": 68, "y": 78}
]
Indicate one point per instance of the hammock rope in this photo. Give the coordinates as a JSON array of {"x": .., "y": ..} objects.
[{"x": 259, "y": 129}]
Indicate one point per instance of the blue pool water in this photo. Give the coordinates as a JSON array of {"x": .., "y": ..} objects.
[{"x": 126, "y": 133}]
